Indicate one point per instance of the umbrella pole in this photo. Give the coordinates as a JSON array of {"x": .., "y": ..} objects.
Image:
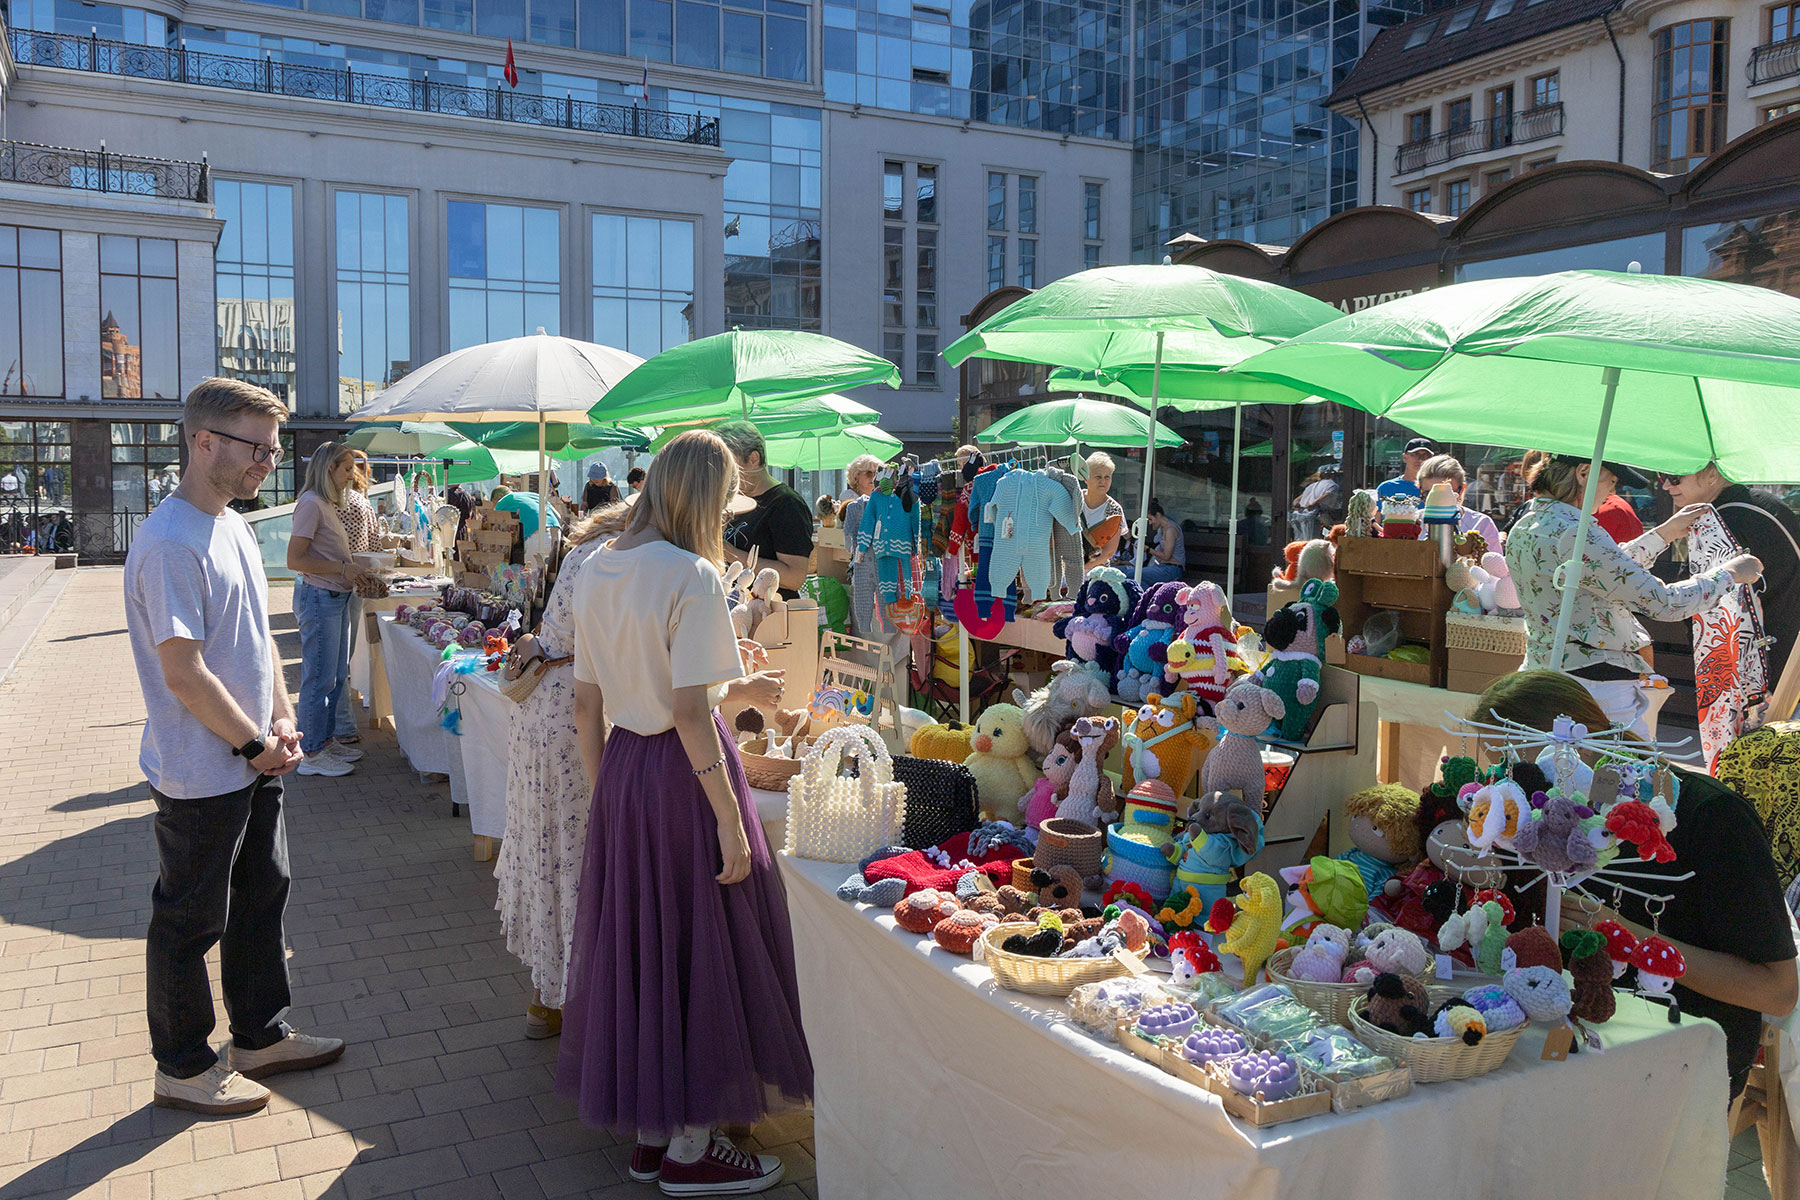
[
  {"x": 543, "y": 490},
  {"x": 1143, "y": 521},
  {"x": 1571, "y": 581},
  {"x": 1231, "y": 518}
]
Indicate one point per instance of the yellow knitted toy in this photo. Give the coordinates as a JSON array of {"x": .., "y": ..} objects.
[
  {"x": 1255, "y": 928},
  {"x": 1163, "y": 741}
]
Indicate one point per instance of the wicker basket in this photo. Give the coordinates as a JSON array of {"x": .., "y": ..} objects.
[
  {"x": 1489, "y": 635},
  {"x": 1022, "y": 868},
  {"x": 1435, "y": 1060},
  {"x": 770, "y": 774},
  {"x": 1065, "y": 841},
  {"x": 1041, "y": 976},
  {"x": 1330, "y": 1000}
]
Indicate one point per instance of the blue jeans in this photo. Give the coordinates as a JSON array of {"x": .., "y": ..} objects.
[
  {"x": 345, "y": 725},
  {"x": 222, "y": 881},
  {"x": 1161, "y": 572},
  {"x": 324, "y": 661}
]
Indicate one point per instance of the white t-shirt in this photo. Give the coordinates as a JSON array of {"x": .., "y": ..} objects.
[{"x": 649, "y": 619}]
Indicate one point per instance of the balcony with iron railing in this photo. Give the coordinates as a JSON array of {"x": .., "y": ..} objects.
[
  {"x": 102, "y": 171},
  {"x": 1776, "y": 60},
  {"x": 1480, "y": 137},
  {"x": 180, "y": 65}
]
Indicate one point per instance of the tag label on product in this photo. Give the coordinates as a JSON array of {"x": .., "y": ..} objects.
[
  {"x": 1446, "y": 966},
  {"x": 1130, "y": 962},
  {"x": 1558, "y": 1044},
  {"x": 984, "y": 883}
]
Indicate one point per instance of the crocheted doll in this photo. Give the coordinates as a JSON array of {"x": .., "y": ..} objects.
[
  {"x": 1592, "y": 971},
  {"x": 1039, "y": 804},
  {"x": 1295, "y": 636},
  {"x": 1235, "y": 764},
  {"x": 1163, "y": 740},
  {"x": 1103, "y": 606},
  {"x": 1208, "y": 657},
  {"x": 1144, "y": 649},
  {"x": 1223, "y": 833},
  {"x": 1000, "y": 760},
  {"x": 1383, "y": 834},
  {"x": 1089, "y": 796},
  {"x": 1251, "y": 930}
]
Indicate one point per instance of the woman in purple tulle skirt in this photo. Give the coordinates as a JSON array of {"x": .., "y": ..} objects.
[{"x": 683, "y": 1013}]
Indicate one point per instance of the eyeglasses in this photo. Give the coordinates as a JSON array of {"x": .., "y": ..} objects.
[
  {"x": 258, "y": 451},
  {"x": 1669, "y": 480}
]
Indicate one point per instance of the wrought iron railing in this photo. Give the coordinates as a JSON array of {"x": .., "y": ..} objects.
[
  {"x": 181, "y": 65},
  {"x": 1777, "y": 60},
  {"x": 1479, "y": 137},
  {"x": 102, "y": 171}
]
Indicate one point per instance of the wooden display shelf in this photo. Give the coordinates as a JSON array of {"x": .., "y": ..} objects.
[{"x": 1402, "y": 577}]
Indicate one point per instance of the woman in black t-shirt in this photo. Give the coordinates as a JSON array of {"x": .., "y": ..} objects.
[
  {"x": 1729, "y": 920},
  {"x": 780, "y": 527}
]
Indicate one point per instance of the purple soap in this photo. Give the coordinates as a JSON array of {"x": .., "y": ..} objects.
[
  {"x": 1269, "y": 1072},
  {"x": 1167, "y": 1020},
  {"x": 1205, "y": 1045}
]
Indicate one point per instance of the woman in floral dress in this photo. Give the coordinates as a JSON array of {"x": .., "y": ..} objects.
[
  {"x": 547, "y": 797},
  {"x": 359, "y": 531}
]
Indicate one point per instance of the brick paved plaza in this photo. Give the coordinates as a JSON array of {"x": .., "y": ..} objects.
[{"x": 396, "y": 949}]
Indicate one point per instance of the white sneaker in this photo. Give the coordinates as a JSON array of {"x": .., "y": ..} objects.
[
  {"x": 295, "y": 1052},
  {"x": 217, "y": 1091},
  {"x": 324, "y": 763},
  {"x": 347, "y": 754}
]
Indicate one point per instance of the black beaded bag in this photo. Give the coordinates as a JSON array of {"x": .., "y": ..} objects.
[{"x": 940, "y": 800}]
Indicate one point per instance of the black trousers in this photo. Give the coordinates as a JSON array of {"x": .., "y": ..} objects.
[{"x": 223, "y": 881}]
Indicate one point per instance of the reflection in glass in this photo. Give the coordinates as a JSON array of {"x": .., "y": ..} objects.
[
  {"x": 1027, "y": 204},
  {"x": 927, "y": 194},
  {"x": 602, "y": 26},
  {"x": 505, "y": 272},
  {"x": 1645, "y": 249},
  {"x": 996, "y": 271},
  {"x": 643, "y": 290},
  {"x": 1028, "y": 262},
  {"x": 650, "y": 36},
  {"x": 374, "y": 296},
  {"x": 1761, "y": 250},
  {"x": 697, "y": 34},
  {"x": 254, "y": 284},
  {"x": 996, "y": 200},
  {"x": 139, "y": 342},
  {"x": 893, "y": 191},
  {"x": 31, "y": 312}
]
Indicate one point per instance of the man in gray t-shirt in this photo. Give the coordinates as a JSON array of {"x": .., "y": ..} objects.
[{"x": 219, "y": 735}]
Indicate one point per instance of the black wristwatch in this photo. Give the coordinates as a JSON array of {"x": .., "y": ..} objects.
[{"x": 252, "y": 749}]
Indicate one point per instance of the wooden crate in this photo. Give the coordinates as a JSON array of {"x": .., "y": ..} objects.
[
  {"x": 474, "y": 579},
  {"x": 1472, "y": 670},
  {"x": 1404, "y": 577}
]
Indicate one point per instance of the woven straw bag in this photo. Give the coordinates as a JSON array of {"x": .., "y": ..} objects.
[
  {"x": 835, "y": 818},
  {"x": 525, "y": 668}
]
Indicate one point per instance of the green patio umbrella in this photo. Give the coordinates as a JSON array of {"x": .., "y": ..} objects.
[
  {"x": 815, "y": 414},
  {"x": 402, "y": 439},
  {"x": 738, "y": 373},
  {"x": 562, "y": 441},
  {"x": 1130, "y": 326},
  {"x": 1705, "y": 371},
  {"x": 471, "y": 462},
  {"x": 1079, "y": 420},
  {"x": 832, "y": 450}
]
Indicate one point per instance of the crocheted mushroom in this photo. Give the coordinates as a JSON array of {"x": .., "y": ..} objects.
[
  {"x": 1619, "y": 945},
  {"x": 921, "y": 911},
  {"x": 1532, "y": 946},
  {"x": 959, "y": 931},
  {"x": 1659, "y": 965}
]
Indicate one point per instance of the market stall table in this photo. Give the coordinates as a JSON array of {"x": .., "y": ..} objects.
[{"x": 933, "y": 1082}]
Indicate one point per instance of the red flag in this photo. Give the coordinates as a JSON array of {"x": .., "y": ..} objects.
[{"x": 512, "y": 70}]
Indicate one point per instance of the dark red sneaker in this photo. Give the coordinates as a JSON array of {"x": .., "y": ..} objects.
[
  {"x": 646, "y": 1162},
  {"x": 723, "y": 1170}
]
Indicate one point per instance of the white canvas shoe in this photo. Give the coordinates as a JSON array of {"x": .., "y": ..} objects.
[
  {"x": 324, "y": 763},
  {"x": 217, "y": 1091},
  {"x": 295, "y": 1052},
  {"x": 338, "y": 750}
]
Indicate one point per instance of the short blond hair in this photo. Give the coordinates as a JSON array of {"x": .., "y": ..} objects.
[
  {"x": 1101, "y": 458},
  {"x": 684, "y": 497},
  {"x": 862, "y": 464},
  {"x": 218, "y": 398},
  {"x": 1444, "y": 466}
]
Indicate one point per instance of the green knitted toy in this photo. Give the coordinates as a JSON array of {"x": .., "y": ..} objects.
[{"x": 1493, "y": 941}]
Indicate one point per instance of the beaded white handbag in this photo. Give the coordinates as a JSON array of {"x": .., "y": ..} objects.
[{"x": 834, "y": 817}]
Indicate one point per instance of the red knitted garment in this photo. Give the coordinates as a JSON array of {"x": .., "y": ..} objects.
[{"x": 920, "y": 872}]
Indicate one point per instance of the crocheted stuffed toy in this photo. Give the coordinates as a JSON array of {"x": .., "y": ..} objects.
[
  {"x": 1457, "y": 1018},
  {"x": 1321, "y": 960},
  {"x": 1204, "y": 658},
  {"x": 1592, "y": 997},
  {"x": 1163, "y": 740},
  {"x": 921, "y": 911},
  {"x": 1000, "y": 760},
  {"x": 1495, "y": 811},
  {"x": 1323, "y": 891},
  {"x": 1296, "y": 636},
  {"x": 1222, "y": 834},
  {"x": 1384, "y": 834},
  {"x": 1253, "y": 930},
  {"x": 1400, "y": 1004},
  {"x": 1533, "y": 946},
  {"x": 1045, "y": 942},
  {"x": 1076, "y": 689},
  {"x": 1543, "y": 993},
  {"x": 1235, "y": 764},
  {"x": 943, "y": 866},
  {"x": 1144, "y": 650},
  {"x": 1039, "y": 804},
  {"x": 959, "y": 931},
  {"x": 1394, "y": 951},
  {"x": 1552, "y": 834},
  {"x": 1496, "y": 1006},
  {"x": 1089, "y": 797},
  {"x": 1057, "y": 887},
  {"x": 1103, "y": 606},
  {"x": 1191, "y": 957}
]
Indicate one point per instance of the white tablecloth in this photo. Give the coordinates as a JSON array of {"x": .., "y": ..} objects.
[
  {"x": 934, "y": 1082},
  {"x": 410, "y": 664},
  {"x": 479, "y": 768}
]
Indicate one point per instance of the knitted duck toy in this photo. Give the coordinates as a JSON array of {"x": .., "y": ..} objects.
[
  {"x": 1251, "y": 924},
  {"x": 1000, "y": 760}
]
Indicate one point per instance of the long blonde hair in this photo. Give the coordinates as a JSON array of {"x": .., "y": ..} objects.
[
  {"x": 685, "y": 494},
  {"x": 601, "y": 522},
  {"x": 318, "y": 472}
]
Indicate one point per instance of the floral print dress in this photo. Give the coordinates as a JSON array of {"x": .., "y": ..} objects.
[
  {"x": 547, "y": 805},
  {"x": 1615, "y": 582}
]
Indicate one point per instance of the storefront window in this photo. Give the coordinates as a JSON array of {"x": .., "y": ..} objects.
[
  {"x": 146, "y": 465},
  {"x": 278, "y": 487},
  {"x": 31, "y": 308},
  {"x": 1761, "y": 250},
  {"x": 1689, "y": 93},
  {"x": 1193, "y": 482},
  {"x": 1644, "y": 249},
  {"x": 140, "y": 347},
  {"x": 505, "y": 272},
  {"x": 36, "y": 455},
  {"x": 643, "y": 297},
  {"x": 255, "y": 280},
  {"x": 374, "y": 296}
]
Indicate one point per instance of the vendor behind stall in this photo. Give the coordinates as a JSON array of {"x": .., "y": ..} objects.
[
  {"x": 1442, "y": 468},
  {"x": 1417, "y": 453},
  {"x": 1102, "y": 517},
  {"x": 780, "y": 527},
  {"x": 1728, "y": 919}
]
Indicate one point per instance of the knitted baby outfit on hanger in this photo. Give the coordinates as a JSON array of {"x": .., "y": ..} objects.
[
  {"x": 862, "y": 571},
  {"x": 981, "y": 514},
  {"x": 889, "y": 533},
  {"x": 1027, "y": 505},
  {"x": 1069, "y": 555}
]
